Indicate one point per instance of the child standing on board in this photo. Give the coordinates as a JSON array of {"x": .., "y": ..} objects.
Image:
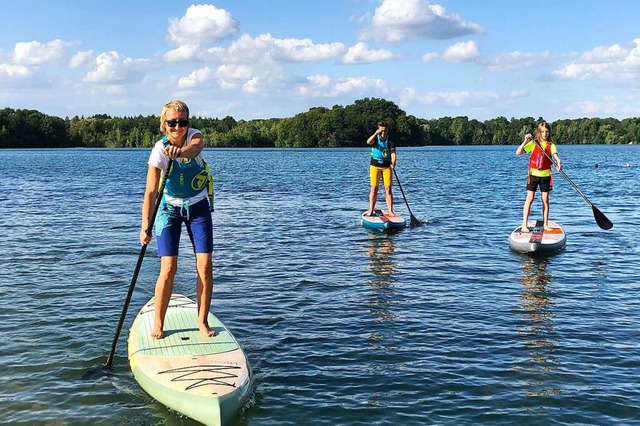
[
  {"x": 542, "y": 150},
  {"x": 383, "y": 160},
  {"x": 185, "y": 201}
]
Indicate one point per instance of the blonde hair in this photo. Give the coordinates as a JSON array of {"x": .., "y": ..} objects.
[
  {"x": 175, "y": 105},
  {"x": 539, "y": 131}
]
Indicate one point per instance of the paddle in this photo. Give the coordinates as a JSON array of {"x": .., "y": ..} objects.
[
  {"x": 414, "y": 221},
  {"x": 602, "y": 221},
  {"x": 107, "y": 367}
]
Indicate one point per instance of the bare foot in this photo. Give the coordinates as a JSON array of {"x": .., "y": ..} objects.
[
  {"x": 390, "y": 214},
  {"x": 368, "y": 214},
  {"x": 156, "y": 333},
  {"x": 206, "y": 331},
  {"x": 548, "y": 228},
  {"x": 524, "y": 230}
]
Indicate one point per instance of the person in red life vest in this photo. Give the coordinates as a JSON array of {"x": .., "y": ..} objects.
[{"x": 539, "y": 170}]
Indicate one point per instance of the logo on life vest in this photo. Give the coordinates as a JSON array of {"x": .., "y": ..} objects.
[{"x": 199, "y": 181}]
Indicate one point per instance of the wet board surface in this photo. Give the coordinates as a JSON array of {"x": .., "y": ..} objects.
[
  {"x": 380, "y": 220},
  {"x": 536, "y": 239},
  {"x": 206, "y": 378}
]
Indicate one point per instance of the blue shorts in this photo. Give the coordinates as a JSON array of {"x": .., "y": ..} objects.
[{"x": 197, "y": 219}]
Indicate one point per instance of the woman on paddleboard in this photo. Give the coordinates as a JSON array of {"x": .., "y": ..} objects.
[
  {"x": 188, "y": 200},
  {"x": 383, "y": 160},
  {"x": 542, "y": 151}
]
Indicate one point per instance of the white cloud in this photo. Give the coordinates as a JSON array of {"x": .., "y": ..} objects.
[
  {"x": 202, "y": 23},
  {"x": 518, "y": 60},
  {"x": 235, "y": 72},
  {"x": 321, "y": 86},
  {"x": 185, "y": 52},
  {"x": 518, "y": 93},
  {"x": 36, "y": 53},
  {"x": 461, "y": 52},
  {"x": 252, "y": 86},
  {"x": 608, "y": 107},
  {"x": 15, "y": 72},
  {"x": 452, "y": 99},
  {"x": 266, "y": 48},
  {"x": 110, "y": 67},
  {"x": 256, "y": 64},
  {"x": 297, "y": 50},
  {"x": 263, "y": 48},
  {"x": 361, "y": 54},
  {"x": 81, "y": 59},
  {"x": 397, "y": 20},
  {"x": 196, "y": 78},
  {"x": 428, "y": 57},
  {"x": 610, "y": 63}
]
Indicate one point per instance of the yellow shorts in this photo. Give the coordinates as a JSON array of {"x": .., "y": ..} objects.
[{"x": 376, "y": 172}]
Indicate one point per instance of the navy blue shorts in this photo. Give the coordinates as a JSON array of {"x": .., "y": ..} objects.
[{"x": 197, "y": 219}]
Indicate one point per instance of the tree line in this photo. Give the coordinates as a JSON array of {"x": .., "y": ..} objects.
[{"x": 339, "y": 126}]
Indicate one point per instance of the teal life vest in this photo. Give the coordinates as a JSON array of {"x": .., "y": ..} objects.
[
  {"x": 381, "y": 152},
  {"x": 188, "y": 178}
]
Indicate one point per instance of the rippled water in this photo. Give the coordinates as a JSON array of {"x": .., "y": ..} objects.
[{"x": 438, "y": 324}]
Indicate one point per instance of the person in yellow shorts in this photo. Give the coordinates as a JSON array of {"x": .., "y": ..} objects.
[
  {"x": 539, "y": 170},
  {"x": 383, "y": 160}
]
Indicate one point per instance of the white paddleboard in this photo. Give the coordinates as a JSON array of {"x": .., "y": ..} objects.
[
  {"x": 205, "y": 378},
  {"x": 536, "y": 239}
]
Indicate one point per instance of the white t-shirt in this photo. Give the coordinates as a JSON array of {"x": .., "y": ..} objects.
[{"x": 160, "y": 160}]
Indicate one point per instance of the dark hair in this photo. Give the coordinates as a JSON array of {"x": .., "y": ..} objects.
[{"x": 382, "y": 124}]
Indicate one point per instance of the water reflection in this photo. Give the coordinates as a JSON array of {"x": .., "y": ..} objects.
[
  {"x": 382, "y": 266},
  {"x": 536, "y": 329}
]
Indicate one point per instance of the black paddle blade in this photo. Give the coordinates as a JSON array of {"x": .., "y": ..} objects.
[
  {"x": 414, "y": 221},
  {"x": 602, "y": 221},
  {"x": 98, "y": 372}
]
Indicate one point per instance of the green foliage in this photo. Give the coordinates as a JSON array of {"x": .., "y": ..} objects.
[{"x": 339, "y": 126}]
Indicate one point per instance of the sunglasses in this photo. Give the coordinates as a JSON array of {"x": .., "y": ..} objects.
[{"x": 174, "y": 123}]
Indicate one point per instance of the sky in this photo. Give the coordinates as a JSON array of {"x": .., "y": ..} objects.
[{"x": 253, "y": 59}]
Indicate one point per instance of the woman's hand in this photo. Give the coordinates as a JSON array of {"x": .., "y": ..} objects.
[
  {"x": 144, "y": 238},
  {"x": 173, "y": 151}
]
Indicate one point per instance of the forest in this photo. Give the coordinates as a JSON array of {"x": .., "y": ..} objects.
[{"x": 339, "y": 126}]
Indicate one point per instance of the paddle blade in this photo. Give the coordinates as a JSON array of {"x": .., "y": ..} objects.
[
  {"x": 414, "y": 221},
  {"x": 97, "y": 373},
  {"x": 602, "y": 221}
]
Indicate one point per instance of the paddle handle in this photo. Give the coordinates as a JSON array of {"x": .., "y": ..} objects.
[{"x": 136, "y": 271}]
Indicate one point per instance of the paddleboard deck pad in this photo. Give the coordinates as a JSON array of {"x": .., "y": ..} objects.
[
  {"x": 536, "y": 239},
  {"x": 205, "y": 378},
  {"x": 380, "y": 220}
]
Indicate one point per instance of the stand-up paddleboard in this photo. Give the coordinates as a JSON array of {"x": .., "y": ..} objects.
[
  {"x": 380, "y": 220},
  {"x": 537, "y": 240},
  {"x": 205, "y": 378}
]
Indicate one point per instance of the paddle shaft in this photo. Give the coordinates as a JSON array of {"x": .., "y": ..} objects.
[
  {"x": 602, "y": 221},
  {"x": 414, "y": 220},
  {"x": 136, "y": 271}
]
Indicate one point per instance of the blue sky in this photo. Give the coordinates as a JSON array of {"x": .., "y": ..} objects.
[{"x": 277, "y": 58}]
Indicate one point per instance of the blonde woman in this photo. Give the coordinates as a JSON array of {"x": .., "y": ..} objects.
[{"x": 184, "y": 201}]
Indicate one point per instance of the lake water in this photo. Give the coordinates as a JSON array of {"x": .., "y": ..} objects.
[{"x": 437, "y": 324}]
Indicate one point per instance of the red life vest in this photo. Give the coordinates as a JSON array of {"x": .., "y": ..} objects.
[{"x": 538, "y": 160}]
